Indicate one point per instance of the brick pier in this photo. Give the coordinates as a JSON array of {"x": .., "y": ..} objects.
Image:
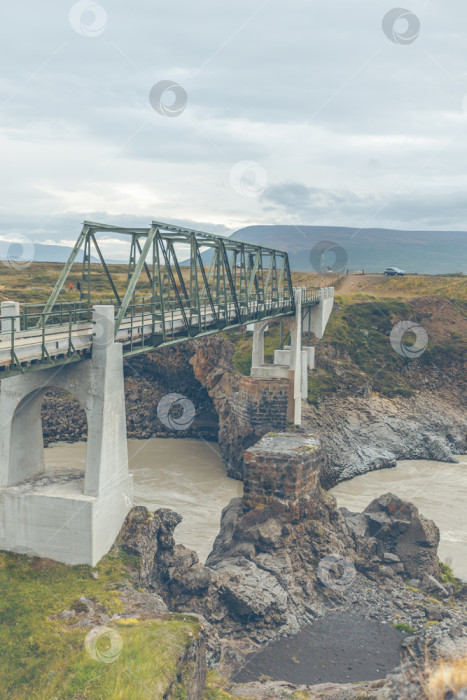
[
  {"x": 282, "y": 467},
  {"x": 261, "y": 404}
]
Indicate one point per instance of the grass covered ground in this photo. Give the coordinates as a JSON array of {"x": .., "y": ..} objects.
[
  {"x": 356, "y": 351},
  {"x": 44, "y": 657}
]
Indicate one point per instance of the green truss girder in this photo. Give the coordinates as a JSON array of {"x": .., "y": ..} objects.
[{"x": 199, "y": 283}]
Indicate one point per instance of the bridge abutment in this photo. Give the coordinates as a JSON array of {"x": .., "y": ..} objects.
[
  {"x": 72, "y": 517},
  {"x": 316, "y": 317}
]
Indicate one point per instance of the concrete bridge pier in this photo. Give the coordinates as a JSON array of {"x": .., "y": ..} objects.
[
  {"x": 294, "y": 361},
  {"x": 69, "y": 516},
  {"x": 293, "y": 369},
  {"x": 9, "y": 309}
]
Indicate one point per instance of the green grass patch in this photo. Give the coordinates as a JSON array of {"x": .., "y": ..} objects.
[
  {"x": 447, "y": 576},
  {"x": 45, "y": 658},
  {"x": 320, "y": 384},
  {"x": 243, "y": 343},
  {"x": 215, "y": 687},
  {"x": 402, "y": 627}
]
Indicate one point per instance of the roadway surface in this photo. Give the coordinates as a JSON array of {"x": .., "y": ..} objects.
[{"x": 56, "y": 339}]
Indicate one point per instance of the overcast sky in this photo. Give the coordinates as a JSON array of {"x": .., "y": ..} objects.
[{"x": 283, "y": 112}]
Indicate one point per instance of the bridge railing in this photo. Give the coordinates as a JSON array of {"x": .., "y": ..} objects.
[
  {"x": 173, "y": 320},
  {"x": 310, "y": 296},
  {"x": 32, "y": 315},
  {"x": 28, "y": 336},
  {"x": 35, "y": 335}
]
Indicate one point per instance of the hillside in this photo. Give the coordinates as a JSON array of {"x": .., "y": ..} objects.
[
  {"x": 372, "y": 249},
  {"x": 355, "y": 355},
  {"x": 19, "y": 254}
]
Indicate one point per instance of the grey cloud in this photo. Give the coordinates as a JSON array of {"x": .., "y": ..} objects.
[
  {"x": 313, "y": 92},
  {"x": 66, "y": 227},
  {"x": 312, "y": 205}
]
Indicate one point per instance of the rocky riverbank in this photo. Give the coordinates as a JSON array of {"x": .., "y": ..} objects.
[
  {"x": 288, "y": 564},
  {"x": 299, "y": 575},
  {"x": 147, "y": 380},
  {"x": 359, "y": 433}
]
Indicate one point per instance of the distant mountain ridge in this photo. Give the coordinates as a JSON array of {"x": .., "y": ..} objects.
[
  {"x": 371, "y": 249},
  {"x": 37, "y": 252}
]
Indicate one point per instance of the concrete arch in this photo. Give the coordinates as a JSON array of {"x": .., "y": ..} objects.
[
  {"x": 27, "y": 420},
  {"x": 21, "y": 441},
  {"x": 52, "y": 516}
]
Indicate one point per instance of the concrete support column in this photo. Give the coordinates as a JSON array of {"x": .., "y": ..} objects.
[
  {"x": 304, "y": 377},
  {"x": 21, "y": 440},
  {"x": 310, "y": 353},
  {"x": 257, "y": 355},
  {"x": 107, "y": 455},
  {"x": 282, "y": 357},
  {"x": 296, "y": 357},
  {"x": 318, "y": 316},
  {"x": 7, "y": 310}
]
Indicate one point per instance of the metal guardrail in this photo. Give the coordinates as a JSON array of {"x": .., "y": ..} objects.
[
  {"x": 311, "y": 296},
  {"x": 63, "y": 313},
  {"x": 31, "y": 330},
  {"x": 145, "y": 326},
  {"x": 150, "y": 328}
]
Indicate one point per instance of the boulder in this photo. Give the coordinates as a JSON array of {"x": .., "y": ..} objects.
[
  {"x": 249, "y": 591},
  {"x": 139, "y": 536},
  {"x": 432, "y": 586},
  {"x": 401, "y": 530}
]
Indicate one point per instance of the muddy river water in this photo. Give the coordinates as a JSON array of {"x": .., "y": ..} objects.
[{"x": 189, "y": 477}]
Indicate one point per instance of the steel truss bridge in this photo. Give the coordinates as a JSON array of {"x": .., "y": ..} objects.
[{"x": 190, "y": 284}]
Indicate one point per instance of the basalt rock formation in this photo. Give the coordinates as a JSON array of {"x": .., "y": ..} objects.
[
  {"x": 358, "y": 433},
  {"x": 363, "y": 433},
  {"x": 148, "y": 379},
  {"x": 213, "y": 368},
  {"x": 284, "y": 553}
]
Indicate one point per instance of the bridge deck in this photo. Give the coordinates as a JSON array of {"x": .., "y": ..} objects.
[{"x": 58, "y": 343}]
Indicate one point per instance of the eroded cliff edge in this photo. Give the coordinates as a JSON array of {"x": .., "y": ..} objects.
[{"x": 359, "y": 432}]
